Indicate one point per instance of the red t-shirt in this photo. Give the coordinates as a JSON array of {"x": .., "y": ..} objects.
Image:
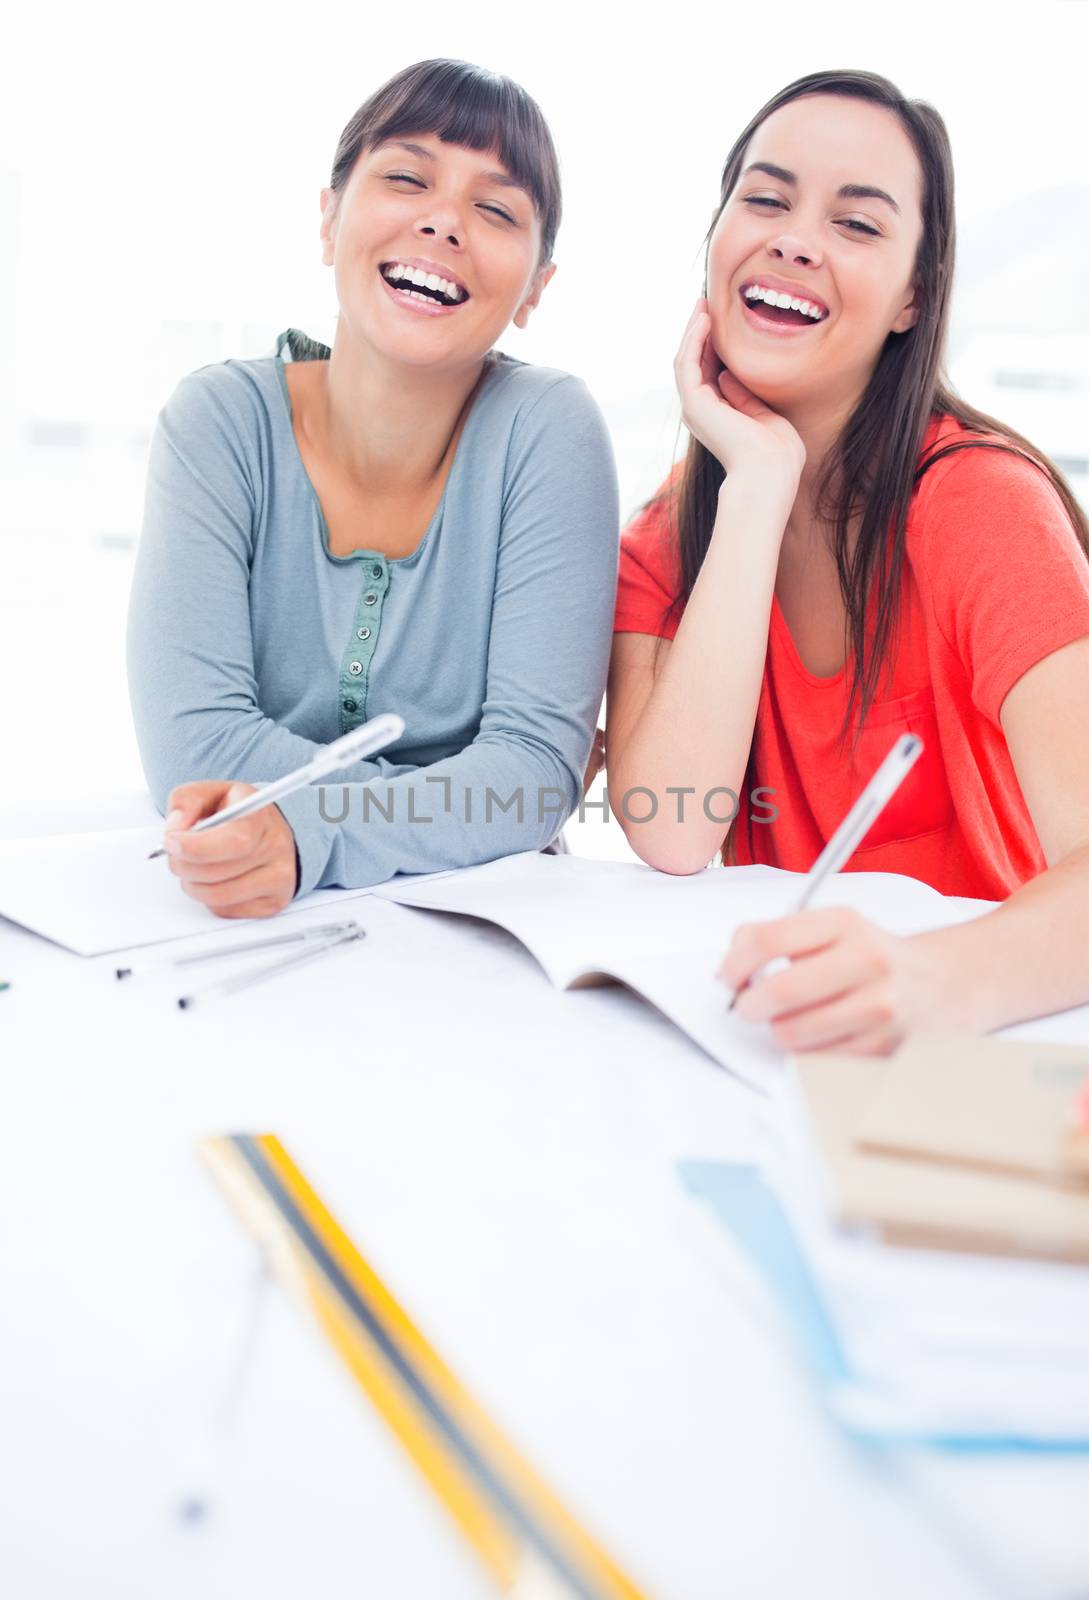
[{"x": 994, "y": 580}]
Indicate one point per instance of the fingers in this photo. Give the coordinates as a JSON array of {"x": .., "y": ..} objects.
[
  {"x": 218, "y": 851},
  {"x": 739, "y": 396},
  {"x": 803, "y": 932},
  {"x": 244, "y": 868},
  {"x": 882, "y": 1042},
  {"x": 841, "y": 993},
  {"x": 192, "y": 802},
  {"x": 687, "y": 365},
  {"x": 264, "y": 886},
  {"x": 807, "y": 982},
  {"x": 847, "y": 1023},
  {"x": 710, "y": 361},
  {"x": 195, "y": 802}
]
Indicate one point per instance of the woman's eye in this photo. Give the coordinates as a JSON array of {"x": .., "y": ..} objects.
[
  {"x": 418, "y": 183},
  {"x": 848, "y": 222}
]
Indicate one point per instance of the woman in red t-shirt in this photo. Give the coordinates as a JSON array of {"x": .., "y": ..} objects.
[{"x": 849, "y": 551}]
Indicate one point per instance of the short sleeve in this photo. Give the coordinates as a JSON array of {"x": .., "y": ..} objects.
[
  {"x": 649, "y": 578},
  {"x": 1007, "y": 575}
]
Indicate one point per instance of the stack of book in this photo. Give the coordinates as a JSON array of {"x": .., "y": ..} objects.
[{"x": 958, "y": 1142}]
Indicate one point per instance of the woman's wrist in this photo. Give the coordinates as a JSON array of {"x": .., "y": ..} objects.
[
  {"x": 759, "y": 502},
  {"x": 761, "y": 483}
]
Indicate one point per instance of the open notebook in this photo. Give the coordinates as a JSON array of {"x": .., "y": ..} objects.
[{"x": 590, "y": 922}]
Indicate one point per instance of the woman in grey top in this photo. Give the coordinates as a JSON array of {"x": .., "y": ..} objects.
[{"x": 410, "y": 522}]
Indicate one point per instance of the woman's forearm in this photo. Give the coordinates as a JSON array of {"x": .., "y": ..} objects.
[
  {"x": 1027, "y": 958},
  {"x": 695, "y": 731}
]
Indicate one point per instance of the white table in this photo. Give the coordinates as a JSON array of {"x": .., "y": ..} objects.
[{"x": 504, "y": 1155}]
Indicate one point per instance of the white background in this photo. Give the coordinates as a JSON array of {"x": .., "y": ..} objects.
[{"x": 159, "y": 180}]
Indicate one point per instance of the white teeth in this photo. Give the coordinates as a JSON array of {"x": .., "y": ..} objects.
[
  {"x": 772, "y": 297},
  {"x": 400, "y": 274}
]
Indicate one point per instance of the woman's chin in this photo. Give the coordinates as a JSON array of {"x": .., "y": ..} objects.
[{"x": 765, "y": 378}]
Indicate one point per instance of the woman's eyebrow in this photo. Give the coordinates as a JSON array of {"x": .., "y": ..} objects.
[
  {"x": 413, "y": 149},
  {"x": 503, "y": 178},
  {"x": 849, "y": 191}
]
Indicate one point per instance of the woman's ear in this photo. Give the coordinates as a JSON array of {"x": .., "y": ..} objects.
[
  {"x": 543, "y": 277},
  {"x": 909, "y": 314},
  {"x": 329, "y": 199}
]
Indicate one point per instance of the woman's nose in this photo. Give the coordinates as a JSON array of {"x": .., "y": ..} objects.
[
  {"x": 441, "y": 220},
  {"x": 791, "y": 247}
]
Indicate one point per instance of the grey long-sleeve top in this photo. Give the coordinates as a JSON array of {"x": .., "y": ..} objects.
[{"x": 250, "y": 645}]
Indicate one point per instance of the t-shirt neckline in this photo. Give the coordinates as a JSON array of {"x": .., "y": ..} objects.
[
  {"x": 361, "y": 554},
  {"x": 779, "y": 623}
]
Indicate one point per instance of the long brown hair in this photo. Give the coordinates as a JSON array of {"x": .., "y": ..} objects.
[{"x": 873, "y": 466}]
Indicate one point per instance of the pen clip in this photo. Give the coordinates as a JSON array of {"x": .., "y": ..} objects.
[{"x": 380, "y": 731}]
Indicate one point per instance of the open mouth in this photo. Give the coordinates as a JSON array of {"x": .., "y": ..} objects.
[
  {"x": 415, "y": 284},
  {"x": 769, "y": 307}
]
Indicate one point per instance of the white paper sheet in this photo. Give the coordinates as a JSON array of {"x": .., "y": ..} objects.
[
  {"x": 665, "y": 936},
  {"x": 93, "y": 892}
]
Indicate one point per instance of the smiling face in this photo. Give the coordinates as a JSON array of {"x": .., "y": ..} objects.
[
  {"x": 435, "y": 250},
  {"x": 815, "y": 227}
]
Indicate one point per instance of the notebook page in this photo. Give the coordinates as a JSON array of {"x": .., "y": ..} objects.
[{"x": 661, "y": 935}]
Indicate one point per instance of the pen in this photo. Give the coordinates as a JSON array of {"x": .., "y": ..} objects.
[
  {"x": 312, "y": 931},
  {"x": 319, "y": 947},
  {"x": 373, "y": 735},
  {"x": 854, "y": 827}
]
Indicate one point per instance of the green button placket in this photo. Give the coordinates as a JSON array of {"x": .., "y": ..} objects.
[{"x": 355, "y": 664}]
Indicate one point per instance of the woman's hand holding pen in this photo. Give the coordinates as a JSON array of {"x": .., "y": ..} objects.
[
  {"x": 851, "y": 986},
  {"x": 736, "y": 426},
  {"x": 244, "y": 868}
]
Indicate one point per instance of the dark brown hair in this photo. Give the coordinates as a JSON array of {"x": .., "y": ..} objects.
[
  {"x": 466, "y": 105},
  {"x": 873, "y": 466}
]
